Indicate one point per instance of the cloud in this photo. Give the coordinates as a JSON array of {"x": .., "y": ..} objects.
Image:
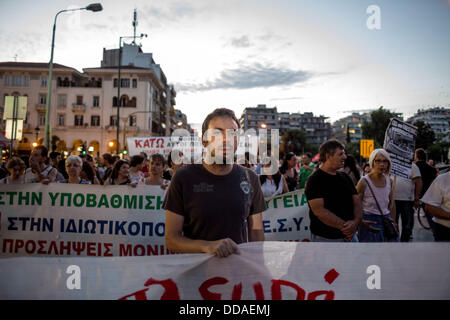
[
  {"x": 241, "y": 42},
  {"x": 159, "y": 14},
  {"x": 289, "y": 98},
  {"x": 252, "y": 76}
]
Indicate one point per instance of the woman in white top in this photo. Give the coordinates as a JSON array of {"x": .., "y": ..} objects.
[
  {"x": 157, "y": 166},
  {"x": 16, "y": 168},
  {"x": 371, "y": 229},
  {"x": 272, "y": 185},
  {"x": 136, "y": 165}
]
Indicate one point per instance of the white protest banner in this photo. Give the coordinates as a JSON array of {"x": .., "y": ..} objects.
[
  {"x": 164, "y": 145},
  {"x": 190, "y": 146},
  {"x": 262, "y": 271},
  {"x": 81, "y": 220},
  {"x": 287, "y": 217},
  {"x": 90, "y": 220},
  {"x": 399, "y": 142}
]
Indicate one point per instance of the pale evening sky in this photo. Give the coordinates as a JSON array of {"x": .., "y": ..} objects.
[{"x": 298, "y": 55}]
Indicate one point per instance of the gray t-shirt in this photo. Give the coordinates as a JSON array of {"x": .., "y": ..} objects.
[{"x": 213, "y": 206}]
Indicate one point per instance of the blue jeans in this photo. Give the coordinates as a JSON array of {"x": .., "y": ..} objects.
[
  {"x": 315, "y": 238},
  {"x": 366, "y": 235},
  {"x": 405, "y": 210}
]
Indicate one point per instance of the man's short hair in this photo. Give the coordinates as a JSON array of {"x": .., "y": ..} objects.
[
  {"x": 329, "y": 148},
  {"x": 136, "y": 160},
  {"x": 421, "y": 154},
  {"x": 44, "y": 152},
  {"x": 158, "y": 157},
  {"x": 308, "y": 154},
  {"x": 219, "y": 112}
]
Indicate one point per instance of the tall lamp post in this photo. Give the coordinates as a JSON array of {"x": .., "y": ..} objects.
[
  {"x": 118, "y": 85},
  {"x": 92, "y": 7}
]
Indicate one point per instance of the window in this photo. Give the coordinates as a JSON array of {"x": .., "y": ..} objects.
[
  {"x": 134, "y": 83},
  {"x": 124, "y": 83},
  {"x": 79, "y": 100},
  {"x": 26, "y": 81},
  {"x": 62, "y": 100},
  {"x": 113, "y": 121},
  {"x": 95, "y": 121},
  {"x": 17, "y": 81},
  {"x": 41, "y": 119},
  {"x": 6, "y": 80},
  {"x": 96, "y": 101},
  {"x": 133, "y": 121},
  {"x": 115, "y": 83},
  {"x": 78, "y": 121},
  {"x": 43, "y": 81},
  {"x": 61, "y": 119},
  {"x": 42, "y": 98}
]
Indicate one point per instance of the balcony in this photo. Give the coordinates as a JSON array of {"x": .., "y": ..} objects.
[
  {"x": 78, "y": 107},
  {"x": 40, "y": 107}
]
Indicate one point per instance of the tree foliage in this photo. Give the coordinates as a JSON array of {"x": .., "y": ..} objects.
[
  {"x": 294, "y": 141},
  {"x": 376, "y": 128},
  {"x": 425, "y": 135}
]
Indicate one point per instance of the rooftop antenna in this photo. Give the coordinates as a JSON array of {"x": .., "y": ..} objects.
[
  {"x": 135, "y": 23},
  {"x": 15, "y": 57}
]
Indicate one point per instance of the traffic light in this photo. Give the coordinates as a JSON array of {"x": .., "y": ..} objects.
[
  {"x": 125, "y": 151},
  {"x": 83, "y": 149}
]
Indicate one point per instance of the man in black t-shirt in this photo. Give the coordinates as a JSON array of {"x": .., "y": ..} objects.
[
  {"x": 335, "y": 209},
  {"x": 213, "y": 206}
]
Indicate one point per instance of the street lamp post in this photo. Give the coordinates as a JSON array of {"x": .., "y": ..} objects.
[
  {"x": 118, "y": 85},
  {"x": 92, "y": 7}
]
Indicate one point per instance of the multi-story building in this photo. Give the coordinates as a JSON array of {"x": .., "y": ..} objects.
[
  {"x": 351, "y": 124},
  {"x": 316, "y": 128},
  {"x": 83, "y": 106},
  {"x": 260, "y": 117},
  {"x": 437, "y": 118}
]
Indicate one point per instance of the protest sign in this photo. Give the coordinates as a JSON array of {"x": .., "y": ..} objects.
[
  {"x": 399, "y": 142},
  {"x": 81, "y": 220},
  {"x": 104, "y": 221},
  {"x": 262, "y": 271},
  {"x": 192, "y": 147}
]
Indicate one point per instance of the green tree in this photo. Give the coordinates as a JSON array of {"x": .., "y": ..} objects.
[
  {"x": 376, "y": 128},
  {"x": 439, "y": 151},
  {"x": 425, "y": 136},
  {"x": 294, "y": 141},
  {"x": 353, "y": 149}
]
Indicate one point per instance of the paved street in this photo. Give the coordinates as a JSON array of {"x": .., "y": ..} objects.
[{"x": 419, "y": 233}]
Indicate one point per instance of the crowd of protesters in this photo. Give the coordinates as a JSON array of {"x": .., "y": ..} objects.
[{"x": 347, "y": 202}]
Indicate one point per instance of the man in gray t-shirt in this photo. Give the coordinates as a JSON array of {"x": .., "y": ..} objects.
[{"x": 212, "y": 207}]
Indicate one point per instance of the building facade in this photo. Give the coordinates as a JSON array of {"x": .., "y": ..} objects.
[
  {"x": 351, "y": 124},
  {"x": 261, "y": 117},
  {"x": 439, "y": 120},
  {"x": 83, "y": 106}
]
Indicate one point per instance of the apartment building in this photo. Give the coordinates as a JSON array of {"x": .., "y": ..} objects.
[{"x": 83, "y": 106}]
